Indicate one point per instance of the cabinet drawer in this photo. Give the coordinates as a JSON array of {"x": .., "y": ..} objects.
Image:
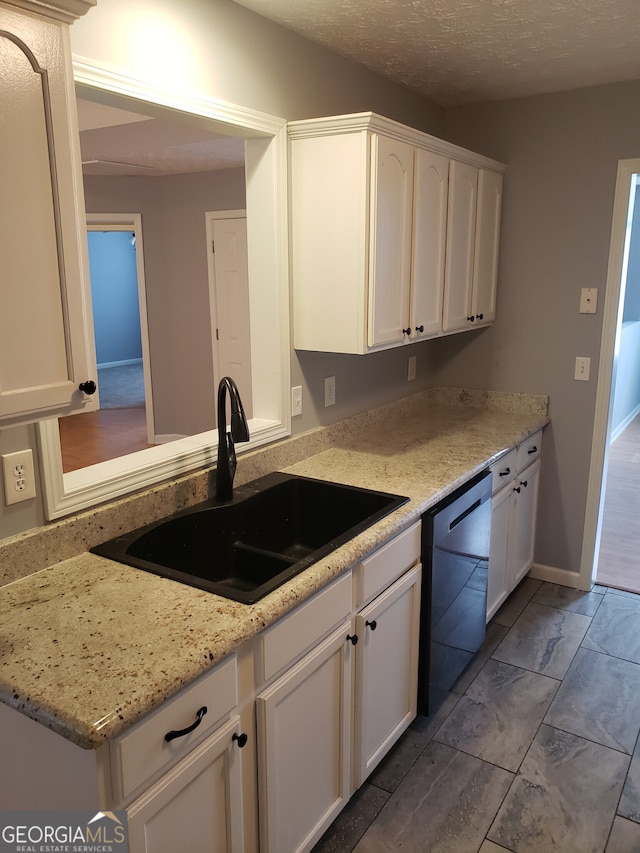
[
  {"x": 142, "y": 750},
  {"x": 503, "y": 470},
  {"x": 529, "y": 450},
  {"x": 294, "y": 634},
  {"x": 377, "y": 572}
]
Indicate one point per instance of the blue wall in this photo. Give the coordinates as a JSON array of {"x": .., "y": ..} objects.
[{"x": 114, "y": 292}]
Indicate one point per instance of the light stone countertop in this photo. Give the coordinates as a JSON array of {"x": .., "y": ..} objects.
[{"x": 88, "y": 646}]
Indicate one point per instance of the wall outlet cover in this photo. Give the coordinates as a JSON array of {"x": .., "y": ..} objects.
[{"x": 19, "y": 477}]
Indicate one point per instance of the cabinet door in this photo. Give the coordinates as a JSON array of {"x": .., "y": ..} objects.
[
  {"x": 461, "y": 228},
  {"x": 523, "y": 524},
  {"x": 389, "y": 240},
  {"x": 430, "y": 189},
  {"x": 386, "y": 671},
  {"x": 497, "y": 589},
  {"x": 46, "y": 349},
  {"x": 485, "y": 265},
  {"x": 303, "y": 730},
  {"x": 197, "y": 805}
]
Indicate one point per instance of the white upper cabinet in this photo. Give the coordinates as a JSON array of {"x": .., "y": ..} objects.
[
  {"x": 390, "y": 245},
  {"x": 46, "y": 341},
  {"x": 485, "y": 262},
  {"x": 431, "y": 187},
  {"x": 386, "y": 222},
  {"x": 473, "y": 233}
]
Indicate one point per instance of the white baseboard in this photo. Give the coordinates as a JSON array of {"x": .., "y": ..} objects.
[
  {"x": 122, "y": 363},
  {"x": 551, "y": 574},
  {"x": 625, "y": 423}
]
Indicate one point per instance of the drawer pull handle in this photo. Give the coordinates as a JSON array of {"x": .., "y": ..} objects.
[
  {"x": 534, "y": 449},
  {"x": 242, "y": 739},
  {"x": 353, "y": 639},
  {"x": 506, "y": 472},
  {"x": 182, "y": 732},
  {"x": 373, "y": 624}
]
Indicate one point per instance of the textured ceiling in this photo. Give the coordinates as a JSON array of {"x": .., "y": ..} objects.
[
  {"x": 118, "y": 142},
  {"x": 464, "y": 51}
]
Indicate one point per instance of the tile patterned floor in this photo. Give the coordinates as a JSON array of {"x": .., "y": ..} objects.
[{"x": 536, "y": 749}]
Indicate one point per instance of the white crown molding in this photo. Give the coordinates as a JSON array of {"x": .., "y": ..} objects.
[
  {"x": 66, "y": 11},
  {"x": 374, "y": 123},
  {"x": 249, "y": 122}
]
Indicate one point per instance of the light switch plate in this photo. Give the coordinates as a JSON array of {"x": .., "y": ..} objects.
[{"x": 583, "y": 368}]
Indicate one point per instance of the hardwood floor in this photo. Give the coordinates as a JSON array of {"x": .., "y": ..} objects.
[
  {"x": 97, "y": 436},
  {"x": 619, "y": 561}
]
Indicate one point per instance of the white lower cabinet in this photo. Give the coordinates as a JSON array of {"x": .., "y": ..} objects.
[
  {"x": 303, "y": 737},
  {"x": 197, "y": 806},
  {"x": 262, "y": 752},
  {"x": 324, "y": 724},
  {"x": 386, "y": 666},
  {"x": 514, "y": 504}
]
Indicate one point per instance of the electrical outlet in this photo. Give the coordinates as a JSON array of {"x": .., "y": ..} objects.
[
  {"x": 19, "y": 477},
  {"x": 583, "y": 368},
  {"x": 411, "y": 369},
  {"x": 296, "y": 400},
  {"x": 330, "y": 391}
]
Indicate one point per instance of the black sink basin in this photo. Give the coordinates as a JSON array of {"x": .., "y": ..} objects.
[{"x": 273, "y": 529}]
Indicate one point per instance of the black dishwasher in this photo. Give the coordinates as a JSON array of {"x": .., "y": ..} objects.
[{"x": 455, "y": 560}]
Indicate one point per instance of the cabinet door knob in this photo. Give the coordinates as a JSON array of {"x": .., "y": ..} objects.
[
  {"x": 182, "y": 732},
  {"x": 242, "y": 739},
  {"x": 471, "y": 319},
  {"x": 524, "y": 483},
  {"x": 506, "y": 472},
  {"x": 534, "y": 449},
  {"x": 373, "y": 624},
  {"x": 407, "y": 331},
  {"x": 89, "y": 387},
  {"x": 420, "y": 328},
  {"x": 353, "y": 639},
  {"x": 516, "y": 489},
  {"x": 479, "y": 316}
]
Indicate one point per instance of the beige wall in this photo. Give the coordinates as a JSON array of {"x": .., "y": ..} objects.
[
  {"x": 562, "y": 151},
  {"x": 218, "y": 49}
]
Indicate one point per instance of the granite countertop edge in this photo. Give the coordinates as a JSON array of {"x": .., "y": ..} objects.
[{"x": 89, "y": 672}]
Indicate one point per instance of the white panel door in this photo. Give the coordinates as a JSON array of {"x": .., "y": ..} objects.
[
  {"x": 233, "y": 331},
  {"x": 461, "y": 227},
  {"x": 197, "y": 805},
  {"x": 390, "y": 240},
  {"x": 304, "y": 747},
  {"x": 430, "y": 190},
  {"x": 522, "y": 543},
  {"x": 46, "y": 343},
  {"x": 386, "y": 671},
  {"x": 485, "y": 265}
]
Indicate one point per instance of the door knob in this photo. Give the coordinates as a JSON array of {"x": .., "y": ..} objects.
[{"x": 89, "y": 387}]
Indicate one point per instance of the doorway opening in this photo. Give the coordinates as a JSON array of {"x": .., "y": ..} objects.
[
  {"x": 619, "y": 553},
  {"x": 611, "y": 540},
  {"x": 124, "y": 422}
]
